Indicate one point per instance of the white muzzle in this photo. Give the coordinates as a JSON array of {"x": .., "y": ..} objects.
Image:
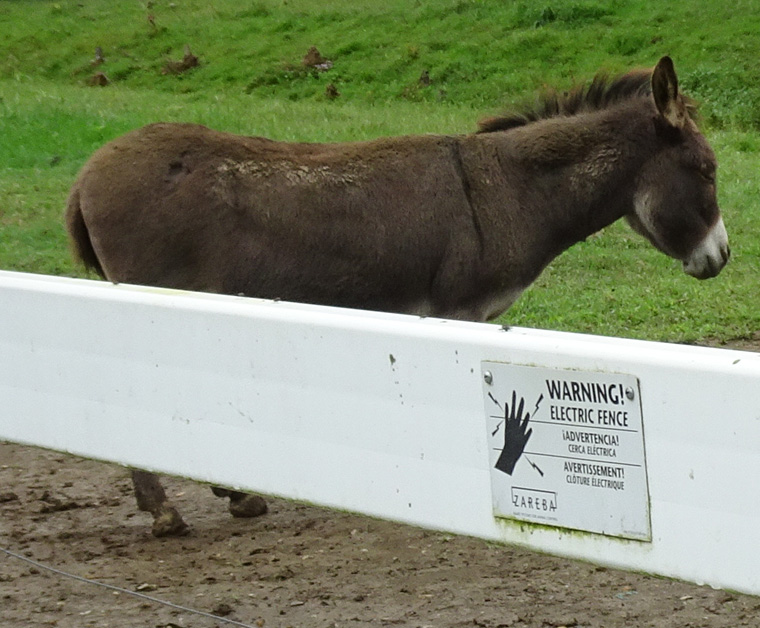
[{"x": 710, "y": 255}]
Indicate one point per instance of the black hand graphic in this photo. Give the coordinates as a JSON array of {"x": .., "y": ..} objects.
[{"x": 516, "y": 435}]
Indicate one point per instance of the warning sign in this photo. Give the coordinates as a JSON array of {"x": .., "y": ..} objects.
[{"x": 567, "y": 448}]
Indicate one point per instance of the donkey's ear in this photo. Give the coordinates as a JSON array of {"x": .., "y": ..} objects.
[{"x": 665, "y": 91}]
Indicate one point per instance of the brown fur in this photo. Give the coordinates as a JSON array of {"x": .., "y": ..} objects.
[{"x": 450, "y": 226}]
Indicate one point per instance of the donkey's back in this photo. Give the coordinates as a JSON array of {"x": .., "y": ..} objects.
[{"x": 368, "y": 224}]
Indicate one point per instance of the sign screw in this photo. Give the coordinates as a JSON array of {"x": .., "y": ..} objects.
[
  {"x": 488, "y": 377},
  {"x": 629, "y": 392}
]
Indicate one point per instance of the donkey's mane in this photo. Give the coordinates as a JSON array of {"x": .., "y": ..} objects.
[{"x": 602, "y": 92}]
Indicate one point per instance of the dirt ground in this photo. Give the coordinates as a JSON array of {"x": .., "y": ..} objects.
[{"x": 296, "y": 566}]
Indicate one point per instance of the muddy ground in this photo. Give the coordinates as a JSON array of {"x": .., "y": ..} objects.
[{"x": 297, "y": 566}]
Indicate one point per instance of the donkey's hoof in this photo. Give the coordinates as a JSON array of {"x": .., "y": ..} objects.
[
  {"x": 247, "y": 506},
  {"x": 169, "y": 523}
]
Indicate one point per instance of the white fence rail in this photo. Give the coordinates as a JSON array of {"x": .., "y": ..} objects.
[{"x": 637, "y": 455}]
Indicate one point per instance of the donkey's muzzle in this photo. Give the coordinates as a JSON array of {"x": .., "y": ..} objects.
[{"x": 710, "y": 256}]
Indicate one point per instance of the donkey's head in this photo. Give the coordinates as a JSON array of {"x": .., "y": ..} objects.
[{"x": 675, "y": 205}]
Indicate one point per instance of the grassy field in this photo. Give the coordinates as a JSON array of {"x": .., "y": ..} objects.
[{"x": 479, "y": 55}]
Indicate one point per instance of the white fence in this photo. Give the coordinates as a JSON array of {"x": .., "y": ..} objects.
[{"x": 637, "y": 455}]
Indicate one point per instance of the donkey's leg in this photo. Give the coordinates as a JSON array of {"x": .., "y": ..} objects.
[
  {"x": 242, "y": 504},
  {"x": 152, "y": 498}
]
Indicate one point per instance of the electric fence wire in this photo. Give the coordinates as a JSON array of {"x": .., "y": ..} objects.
[{"x": 111, "y": 587}]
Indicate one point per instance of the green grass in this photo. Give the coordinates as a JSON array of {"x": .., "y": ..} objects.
[{"x": 479, "y": 54}]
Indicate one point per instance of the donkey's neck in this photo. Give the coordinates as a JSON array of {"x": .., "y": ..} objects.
[
  {"x": 582, "y": 171},
  {"x": 534, "y": 191}
]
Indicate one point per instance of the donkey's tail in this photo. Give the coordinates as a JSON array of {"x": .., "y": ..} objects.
[{"x": 79, "y": 236}]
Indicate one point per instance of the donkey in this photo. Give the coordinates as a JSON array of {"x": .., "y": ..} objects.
[{"x": 446, "y": 226}]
